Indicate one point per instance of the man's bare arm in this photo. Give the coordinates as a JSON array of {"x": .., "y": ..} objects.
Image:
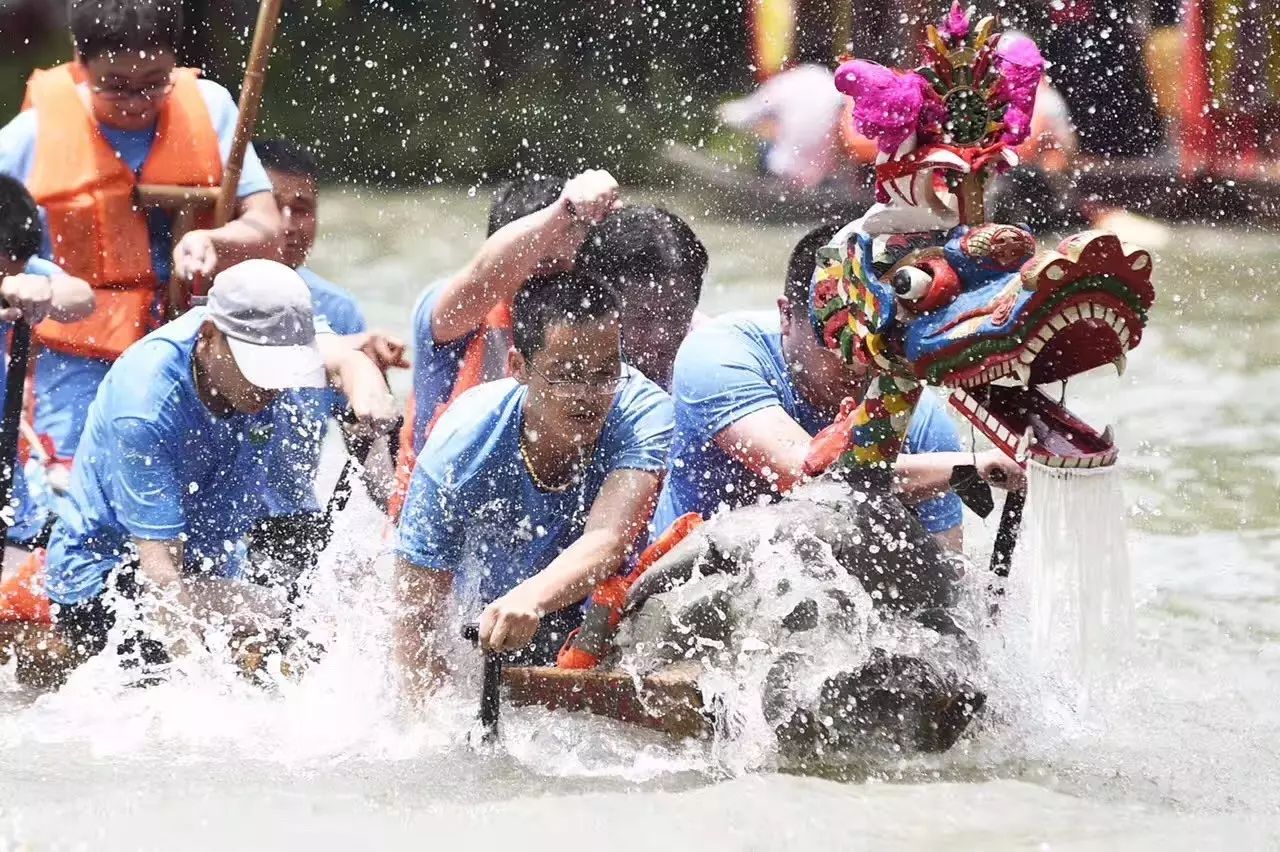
[
  {"x": 422, "y": 597},
  {"x": 353, "y": 372},
  {"x": 769, "y": 443},
  {"x": 618, "y": 516},
  {"x": 255, "y": 232},
  {"x": 510, "y": 256}
]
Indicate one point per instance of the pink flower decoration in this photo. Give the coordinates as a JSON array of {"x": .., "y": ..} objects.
[
  {"x": 955, "y": 26},
  {"x": 1017, "y": 126},
  {"x": 887, "y": 104},
  {"x": 1020, "y": 66}
]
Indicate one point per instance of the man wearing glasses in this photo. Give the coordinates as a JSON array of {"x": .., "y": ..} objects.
[
  {"x": 119, "y": 115},
  {"x": 532, "y": 489}
]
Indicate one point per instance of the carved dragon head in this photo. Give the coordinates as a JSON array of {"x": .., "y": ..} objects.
[{"x": 921, "y": 290}]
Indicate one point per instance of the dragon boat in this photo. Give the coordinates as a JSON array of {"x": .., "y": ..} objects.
[{"x": 920, "y": 290}]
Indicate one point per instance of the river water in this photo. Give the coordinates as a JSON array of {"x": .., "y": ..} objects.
[{"x": 1180, "y": 751}]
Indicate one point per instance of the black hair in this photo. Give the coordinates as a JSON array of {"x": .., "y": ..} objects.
[
  {"x": 125, "y": 26},
  {"x": 563, "y": 298},
  {"x": 804, "y": 260},
  {"x": 643, "y": 244},
  {"x": 20, "y": 231},
  {"x": 287, "y": 156},
  {"x": 518, "y": 198}
]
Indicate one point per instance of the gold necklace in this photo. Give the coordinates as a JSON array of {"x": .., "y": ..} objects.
[{"x": 533, "y": 474}]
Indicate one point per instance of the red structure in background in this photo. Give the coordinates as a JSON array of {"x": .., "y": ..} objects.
[{"x": 1230, "y": 117}]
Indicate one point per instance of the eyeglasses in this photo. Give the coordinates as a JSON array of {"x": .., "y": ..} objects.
[
  {"x": 575, "y": 389},
  {"x": 118, "y": 94}
]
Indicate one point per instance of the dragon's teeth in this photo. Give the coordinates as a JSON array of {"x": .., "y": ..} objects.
[
  {"x": 1058, "y": 322},
  {"x": 1024, "y": 374},
  {"x": 1120, "y": 364},
  {"x": 1024, "y": 444}
]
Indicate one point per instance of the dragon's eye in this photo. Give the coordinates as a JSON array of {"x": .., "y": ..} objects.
[
  {"x": 930, "y": 283},
  {"x": 911, "y": 282}
]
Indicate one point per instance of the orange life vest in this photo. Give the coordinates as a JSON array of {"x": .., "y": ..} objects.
[
  {"x": 97, "y": 229},
  {"x": 587, "y": 644},
  {"x": 484, "y": 360},
  {"x": 22, "y": 593}
]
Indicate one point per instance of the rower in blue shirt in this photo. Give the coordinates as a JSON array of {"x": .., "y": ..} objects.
[
  {"x": 752, "y": 389},
  {"x": 176, "y": 452},
  {"x": 125, "y": 90},
  {"x": 532, "y": 489},
  {"x": 297, "y": 521},
  {"x": 33, "y": 289}
]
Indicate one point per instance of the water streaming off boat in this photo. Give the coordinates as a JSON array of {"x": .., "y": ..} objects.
[{"x": 1180, "y": 750}]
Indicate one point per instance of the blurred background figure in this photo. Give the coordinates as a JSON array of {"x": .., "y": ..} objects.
[{"x": 797, "y": 115}]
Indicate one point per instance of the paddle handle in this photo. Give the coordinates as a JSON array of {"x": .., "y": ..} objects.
[
  {"x": 1007, "y": 533},
  {"x": 255, "y": 78},
  {"x": 491, "y": 687},
  {"x": 15, "y": 381}
]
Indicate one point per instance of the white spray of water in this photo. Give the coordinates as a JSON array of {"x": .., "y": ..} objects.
[{"x": 1071, "y": 585}]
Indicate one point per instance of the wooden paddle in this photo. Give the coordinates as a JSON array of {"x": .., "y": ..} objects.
[
  {"x": 255, "y": 78},
  {"x": 185, "y": 203},
  {"x": 19, "y": 350}
]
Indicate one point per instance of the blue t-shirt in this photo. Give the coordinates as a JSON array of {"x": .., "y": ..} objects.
[
  {"x": 435, "y": 366},
  {"x": 65, "y": 384},
  {"x": 301, "y": 414},
  {"x": 29, "y": 514},
  {"x": 341, "y": 310},
  {"x": 156, "y": 464},
  {"x": 473, "y": 509},
  {"x": 733, "y": 367}
]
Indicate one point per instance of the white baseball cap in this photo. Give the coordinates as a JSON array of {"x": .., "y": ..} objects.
[{"x": 264, "y": 309}]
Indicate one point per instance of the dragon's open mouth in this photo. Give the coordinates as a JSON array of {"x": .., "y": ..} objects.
[{"x": 1000, "y": 394}]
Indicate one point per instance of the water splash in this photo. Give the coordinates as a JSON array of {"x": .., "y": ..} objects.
[{"x": 1072, "y": 591}]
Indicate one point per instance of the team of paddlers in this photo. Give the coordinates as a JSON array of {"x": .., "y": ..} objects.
[{"x": 569, "y": 403}]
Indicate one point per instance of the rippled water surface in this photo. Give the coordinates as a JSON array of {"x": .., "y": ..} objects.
[{"x": 1181, "y": 751}]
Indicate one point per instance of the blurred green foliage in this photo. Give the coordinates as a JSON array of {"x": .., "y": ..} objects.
[{"x": 457, "y": 91}]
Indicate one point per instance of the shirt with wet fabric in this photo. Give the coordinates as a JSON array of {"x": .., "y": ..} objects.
[
  {"x": 435, "y": 366},
  {"x": 156, "y": 464},
  {"x": 341, "y": 311},
  {"x": 66, "y": 383},
  {"x": 301, "y": 415},
  {"x": 473, "y": 509},
  {"x": 733, "y": 367}
]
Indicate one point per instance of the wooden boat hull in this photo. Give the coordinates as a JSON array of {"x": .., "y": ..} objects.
[{"x": 669, "y": 701}]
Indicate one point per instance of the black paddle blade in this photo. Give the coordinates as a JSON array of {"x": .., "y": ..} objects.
[
  {"x": 10, "y": 422},
  {"x": 971, "y": 490},
  {"x": 1007, "y": 534}
]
